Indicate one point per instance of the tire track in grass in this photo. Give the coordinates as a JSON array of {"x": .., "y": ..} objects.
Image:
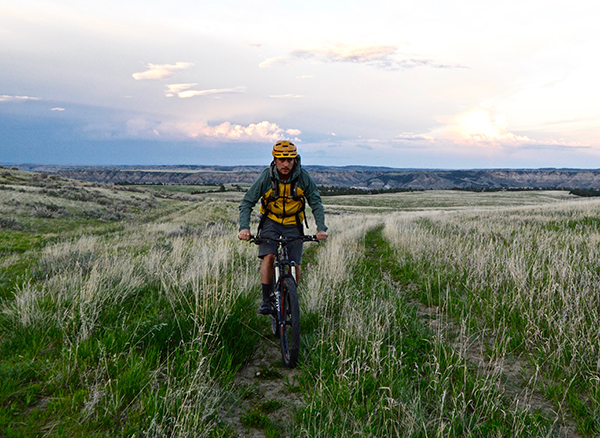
[
  {"x": 268, "y": 395},
  {"x": 265, "y": 393},
  {"x": 514, "y": 377},
  {"x": 269, "y": 398},
  {"x": 373, "y": 368}
]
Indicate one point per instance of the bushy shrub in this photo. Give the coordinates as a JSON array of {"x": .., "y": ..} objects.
[
  {"x": 104, "y": 215},
  {"x": 10, "y": 223},
  {"x": 77, "y": 194},
  {"x": 48, "y": 211}
]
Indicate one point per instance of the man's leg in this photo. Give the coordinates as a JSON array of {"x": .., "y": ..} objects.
[
  {"x": 266, "y": 278},
  {"x": 266, "y": 269}
]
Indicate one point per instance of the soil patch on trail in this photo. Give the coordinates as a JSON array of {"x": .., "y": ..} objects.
[{"x": 268, "y": 395}]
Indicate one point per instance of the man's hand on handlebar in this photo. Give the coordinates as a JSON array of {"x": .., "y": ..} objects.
[
  {"x": 321, "y": 235},
  {"x": 244, "y": 235}
]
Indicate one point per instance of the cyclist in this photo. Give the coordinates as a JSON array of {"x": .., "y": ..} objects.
[{"x": 283, "y": 188}]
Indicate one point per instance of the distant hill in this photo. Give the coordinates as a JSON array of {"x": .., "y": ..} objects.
[{"x": 350, "y": 176}]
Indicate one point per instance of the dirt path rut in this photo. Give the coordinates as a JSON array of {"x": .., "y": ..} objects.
[{"x": 269, "y": 395}]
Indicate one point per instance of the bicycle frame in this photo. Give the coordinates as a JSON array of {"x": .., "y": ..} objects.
[
  {"x": 281, "y": 256},
  {"x": 285, "y": 314}
]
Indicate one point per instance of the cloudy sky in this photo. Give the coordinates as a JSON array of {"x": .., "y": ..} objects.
[{"x": 428, "y": 84}]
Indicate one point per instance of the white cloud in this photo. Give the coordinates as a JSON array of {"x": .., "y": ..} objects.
[
  {"x": 286, "y": 96},
  {"x": 379, "y": 56},
  {"x": 183, "y": 91},
  {"x": 192, "y": 93},
  {"x": 174, "y": 89},
  {"x": 483, "y": 127},
  {"x": 348, "y": 53},
  {"x": 411, "y": 136},
  {"x": 305, "y": 77},
  {"x": 57, "y": 109},
  {"x": 276, "y": 61},
  {"x": 5, "y": 98},
  {"x": 159, "y": 71},
  {"x": 263, "y": 131},
  {"x": 480, "y": 126}
]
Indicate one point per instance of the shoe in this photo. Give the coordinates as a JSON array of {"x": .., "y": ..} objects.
[{"x": 265, "y": 308}]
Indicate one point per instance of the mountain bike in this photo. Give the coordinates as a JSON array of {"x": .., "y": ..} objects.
[{"x": 285, "y": 310}]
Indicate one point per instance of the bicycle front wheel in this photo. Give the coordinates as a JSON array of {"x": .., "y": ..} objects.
[{"x": 289, "y": 323}]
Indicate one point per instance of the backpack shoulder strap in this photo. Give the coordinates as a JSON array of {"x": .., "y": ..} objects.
[
  {"x": 274, "y": 183},
  {"x": 294, "y": 190}
]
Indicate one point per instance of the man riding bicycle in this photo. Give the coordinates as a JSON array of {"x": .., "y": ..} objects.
[{"x": 283, "y": 188}]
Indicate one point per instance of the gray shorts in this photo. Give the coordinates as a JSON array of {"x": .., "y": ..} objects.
[{"x": 274, "y": 230}]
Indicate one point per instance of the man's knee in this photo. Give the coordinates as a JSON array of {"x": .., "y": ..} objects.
[{"x": 269, "y": 258}]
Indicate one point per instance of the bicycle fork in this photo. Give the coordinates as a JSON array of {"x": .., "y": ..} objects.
[{"x": 277, "y": 292}]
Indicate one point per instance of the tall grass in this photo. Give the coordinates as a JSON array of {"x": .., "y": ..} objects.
[
  {"x": 140, "y": 328},
  {"x": 135, "y": 332},
  {"x": 371, "y": 367},
  {"x": 527, "y": 282},
  {"x": 332, "y": 267}
]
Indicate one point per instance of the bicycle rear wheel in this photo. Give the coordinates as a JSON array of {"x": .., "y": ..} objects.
[{"x": 289, "y": 324}]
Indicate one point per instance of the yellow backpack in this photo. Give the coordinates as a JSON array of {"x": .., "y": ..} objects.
[{"x": 281, "y": 206}]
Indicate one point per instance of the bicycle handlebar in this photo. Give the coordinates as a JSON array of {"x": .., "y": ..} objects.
[{"x": 283, "y": 240}]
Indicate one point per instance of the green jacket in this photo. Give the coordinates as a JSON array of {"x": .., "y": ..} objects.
[{"x": 262, "y": 186}]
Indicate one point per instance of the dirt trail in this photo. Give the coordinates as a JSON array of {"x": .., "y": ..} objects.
[{"x": 267, "y": 389}]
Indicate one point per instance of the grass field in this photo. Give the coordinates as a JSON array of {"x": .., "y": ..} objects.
[
  {"x": 129, "y": 311},
  {"x": 442, "y": 199}
]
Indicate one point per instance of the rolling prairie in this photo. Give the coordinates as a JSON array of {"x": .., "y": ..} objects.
[{"x": 129, "y": 311}]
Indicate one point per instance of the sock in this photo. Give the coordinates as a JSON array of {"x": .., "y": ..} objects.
[{"x": 266, "y": 290}]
